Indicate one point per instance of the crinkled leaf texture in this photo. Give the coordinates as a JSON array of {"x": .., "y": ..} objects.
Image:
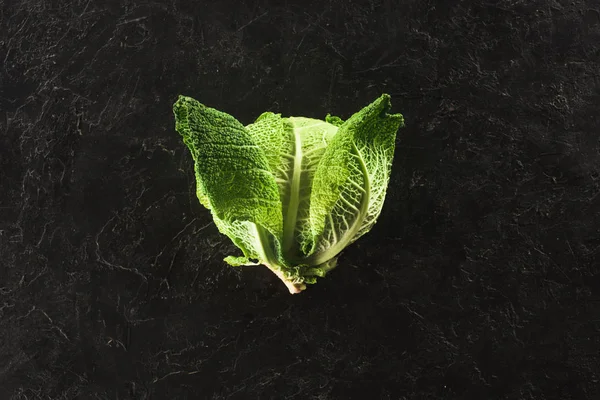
[{"x": 292, "y": 192}]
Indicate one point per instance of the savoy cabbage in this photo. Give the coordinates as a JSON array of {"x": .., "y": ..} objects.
[{"x": 291, "y": 192}]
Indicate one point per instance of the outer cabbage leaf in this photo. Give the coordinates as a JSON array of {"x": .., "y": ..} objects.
[
  {"x": 351, "y": 180},
  {"x": 235, "y": 183}
]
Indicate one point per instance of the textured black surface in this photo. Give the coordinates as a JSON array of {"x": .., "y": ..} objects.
[{"x": 480, "y": 281}]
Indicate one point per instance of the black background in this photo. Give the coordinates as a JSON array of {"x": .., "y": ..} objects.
[{"x": 481, "y": 279}]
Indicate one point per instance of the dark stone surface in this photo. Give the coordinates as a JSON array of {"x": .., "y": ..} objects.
[{"x": 480, "y": 281}]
